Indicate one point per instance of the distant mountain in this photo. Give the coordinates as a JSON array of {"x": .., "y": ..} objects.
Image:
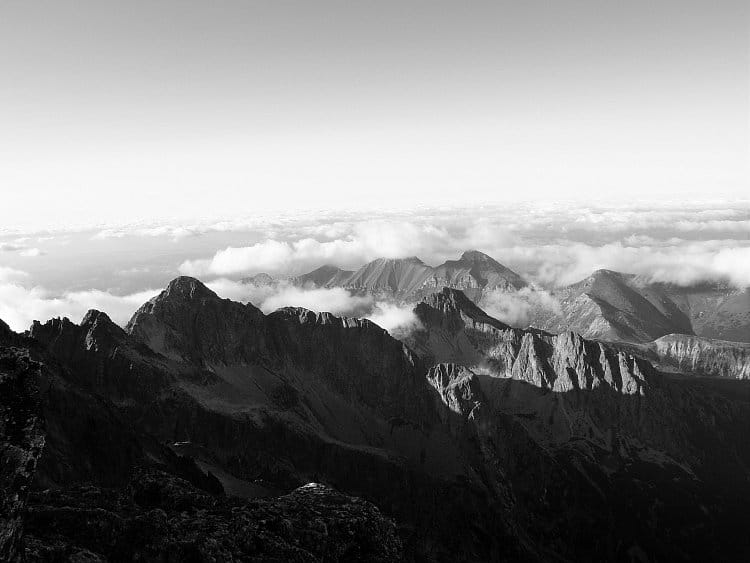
[
  {"x": 409, "y": 279},
  {"x": 325, "y": 276},
  {"x": 614, "y": 306},
  {"x": 474, "y": 273},
  {"x": 607, "y": 305},
  {"x": 398, "y": 277},
  {"x": 699, "y": 356}
]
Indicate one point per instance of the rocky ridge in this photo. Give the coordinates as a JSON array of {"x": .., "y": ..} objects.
[{"x": 482, "y": 441}]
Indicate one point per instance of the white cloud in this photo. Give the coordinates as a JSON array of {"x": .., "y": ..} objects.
[
  {"x": 31, "y": 252},
  {"x": 20, "y": 305},
  {"x": 367, "y": 240},
  {"x": 395, "y": 319},
  {"x": 335, "y": 300},
  {"x": 518, "y": 308},
  {"x": 21, "y": 249},
  {"x": 10, "y": 247},
  {"x": 398, "y": 320},
  {"x": 683, "y": 264}
]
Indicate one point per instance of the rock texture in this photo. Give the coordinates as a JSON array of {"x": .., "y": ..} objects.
[
  {"x": 703, "y": 356},
  {"x": 459, "y": 331},
  {"x": 187, "y": 436},
  {"x": 21, "y": 441},
  {"x": 607, "y": 305},
  {"x": 586, "y": 424},
  {"x": 160, "y": 517}
]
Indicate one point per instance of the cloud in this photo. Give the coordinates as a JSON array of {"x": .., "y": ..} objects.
[
  {"x": 335, "y": 300},
  {"x": 20, "y": 305},
  {"x": 364, "y": 241},
  {"x": 395, "y": 319},
  {"x": 270, "y": 297},
  {"x": 518, "y": 308},
  {"x": 11, "y": 275},
  {"x": 10, "y": 247},
  {"x": 550, "y": 244},
  {"x": 31, "y": 252},
  {"x": 400, "y": 321},
  {"x": 686, "y": 263}
]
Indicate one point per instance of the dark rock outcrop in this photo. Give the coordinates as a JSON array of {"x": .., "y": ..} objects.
[
  {"x": 160, "y": 517},
  {"x": 21, "y": 441}
]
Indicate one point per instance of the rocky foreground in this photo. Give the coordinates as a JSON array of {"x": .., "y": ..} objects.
[{"x": 193, "y": 434}]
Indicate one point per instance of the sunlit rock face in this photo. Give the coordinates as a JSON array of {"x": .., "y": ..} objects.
[{"x": 704, "y": 356}]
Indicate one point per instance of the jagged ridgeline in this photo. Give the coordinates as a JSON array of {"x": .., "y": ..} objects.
[
  {"x": 194, "y": 434},
  {"x": 660, "y": 319}
]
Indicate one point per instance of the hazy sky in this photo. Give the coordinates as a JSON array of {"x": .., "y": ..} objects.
[{"x": 119, "y": 112}]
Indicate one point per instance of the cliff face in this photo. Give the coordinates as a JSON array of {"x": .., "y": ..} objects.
[
  {"x": 457, "y": 330},
  {"x": 623, "y": 307},
  {"x": 703, "y": 356},
  {"x": 21, "y": 441}
]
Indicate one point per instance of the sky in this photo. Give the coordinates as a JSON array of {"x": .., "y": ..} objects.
[
  {"x": 140, "y": 141},
  {"x": 118, "y": 112}
]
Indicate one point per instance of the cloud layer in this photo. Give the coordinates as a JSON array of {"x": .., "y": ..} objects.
[
  {"x": 554, "y": 246},
  {"x": 20, "y": 304},
  {"x": 396, "y": 319},
  {"x": 549, "y": 244}
]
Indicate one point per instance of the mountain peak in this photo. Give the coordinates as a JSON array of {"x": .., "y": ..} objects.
[
  {"x": 185, "y": 287},
  {"x": 403, "y": 260},
  {"x": 477, "y": 256},
  {"x": 456, "y": 307},
  {"x": 93, "y": 317}
]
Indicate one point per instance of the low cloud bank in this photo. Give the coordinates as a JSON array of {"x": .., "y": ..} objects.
[
  {"x": 682, "y": 244},
  {"x": 396, "y": 319},
  {"x": 518, "y": 308},
  {"x": 20, "y": 304},
  {"x": 353, "y": 246},
  {"x": 685, "y": 263}
]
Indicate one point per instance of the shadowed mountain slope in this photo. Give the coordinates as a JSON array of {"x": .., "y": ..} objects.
[{"x": 483, "y": 442}]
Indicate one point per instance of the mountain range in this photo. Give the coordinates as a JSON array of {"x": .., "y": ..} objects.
[
  {"x": 607, "y": 305},
  {"x": 208, "y": 430}
]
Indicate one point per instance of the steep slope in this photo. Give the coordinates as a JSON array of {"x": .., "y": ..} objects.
[
  {"x": 716, "y": 311},
  {"x": 623, "y": 307},
  {"x": 613, "y": 306},
  {"x": 80, "y": 482},
  {"x": 593, "y": 423},
  {"x": 410, "y": 279},
  {"x": 396, "y": 277},
  {"x": 283, "y": 400},
  {"x": 474, "y": 273},
  {"x": 325, "y": 276},
  {"x": 703, "y": 356},
  {"x": 457, "y": 330},
  {"x": 487, "y": 444}
]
